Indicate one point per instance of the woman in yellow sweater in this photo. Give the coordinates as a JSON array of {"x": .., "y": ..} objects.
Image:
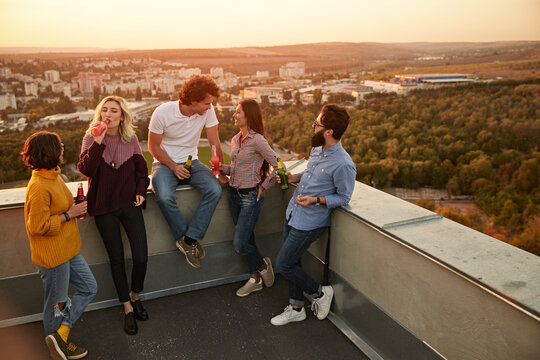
[{"x": 55, "y": 243}]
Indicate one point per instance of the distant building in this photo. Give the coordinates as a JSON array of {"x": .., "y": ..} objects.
[
  {"x": 88, "y": 81},
  {"x": 383, "y": 86},
  {"x": 5, "y": 72},
  {"x": 52, "y": 76},
  {"x": 8, "y": 100},
  {"x": 30, "y": 88},
  {"x": 87, "y": 115},
  {"x": 293, "y": 69},
  {"x": 262, "y": 74},
  {"x": 263, "y": 93},
  {"x": 226, "y": 106},
  {"x": 67, "y": 90},
  {"x": 216, "y": 72},
  {"x": 414, "y": 79},
  {"x": 186, "y": 73},
  {"x": 175, "y": 64},
  {"x": 141, "y": 110},
  {"x": 227, "y": 81},
  {"x": 165, "y": 85},
  {"x": 58, "y": 87}
]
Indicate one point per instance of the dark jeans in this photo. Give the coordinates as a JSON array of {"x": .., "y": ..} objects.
[
  {"x": 245, "y": 210},
  {"x": 109, "y": 228},
  {"x": 288, "y": 262}
]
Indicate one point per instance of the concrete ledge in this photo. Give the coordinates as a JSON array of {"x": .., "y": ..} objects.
[{"x": 168, "y": 274}]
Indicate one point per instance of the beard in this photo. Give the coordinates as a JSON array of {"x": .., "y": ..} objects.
[{"x": 317, "y": 139}]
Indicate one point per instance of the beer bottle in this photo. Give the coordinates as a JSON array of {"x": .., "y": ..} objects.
[
  {"x": 80, "y": 198},
  {"x": 188, "y": 164},
  {"x": 282, "y": 176}
]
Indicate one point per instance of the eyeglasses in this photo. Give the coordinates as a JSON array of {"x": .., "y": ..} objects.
[{"x": 315, "y": 124}]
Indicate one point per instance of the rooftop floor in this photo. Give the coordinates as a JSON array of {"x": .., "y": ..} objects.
[{"x": 212, "y": 323}]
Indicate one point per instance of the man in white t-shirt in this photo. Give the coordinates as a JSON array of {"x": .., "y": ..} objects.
[{"x": 174, "y": 133}]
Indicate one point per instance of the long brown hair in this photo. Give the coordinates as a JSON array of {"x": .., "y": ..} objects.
[{"x": 255, "y": 122}]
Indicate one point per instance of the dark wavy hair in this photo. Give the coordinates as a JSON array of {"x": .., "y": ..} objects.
[
  {"x": 196, "y": 89},
  {"x": 255, "y": 122},
  {"x": 336, "y": 118},
  {"x": 42, "y": 150}
]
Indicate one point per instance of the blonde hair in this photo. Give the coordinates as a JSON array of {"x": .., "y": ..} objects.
[{"x": 126, "y": 129}]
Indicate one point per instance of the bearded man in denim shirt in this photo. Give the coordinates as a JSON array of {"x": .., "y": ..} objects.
[{"x": 327, "y": 182}]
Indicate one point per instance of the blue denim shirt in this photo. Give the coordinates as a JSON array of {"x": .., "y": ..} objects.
[{"x": 330, "y": 173}]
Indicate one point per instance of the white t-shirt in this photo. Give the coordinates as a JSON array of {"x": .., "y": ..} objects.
[{"x": 181, "y": 133}]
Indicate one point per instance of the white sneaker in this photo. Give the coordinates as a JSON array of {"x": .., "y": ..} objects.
[
  {"x": 249, "y": 287},
  {"x": 268, "y": 273},
  {"x": 321, "y": 306},
  {"x": 288, "y": 315}
]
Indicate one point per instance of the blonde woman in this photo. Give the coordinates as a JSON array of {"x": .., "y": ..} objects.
[{"x": 117, "y": 183}]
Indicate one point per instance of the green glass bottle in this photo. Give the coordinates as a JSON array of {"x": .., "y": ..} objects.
[
  {"x": 188, "y": 164},
  {"x": 282, "y": 176}
]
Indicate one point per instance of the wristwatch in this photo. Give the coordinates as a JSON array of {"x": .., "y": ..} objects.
[
  {"x": 318, "y": 201},
  {"x": 67, "y": 216}
]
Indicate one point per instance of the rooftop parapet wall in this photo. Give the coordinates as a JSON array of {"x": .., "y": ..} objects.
[{"x": 465, "y": 294}]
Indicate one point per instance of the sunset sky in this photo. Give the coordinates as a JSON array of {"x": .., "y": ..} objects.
[{"x": 159, "y": 24}]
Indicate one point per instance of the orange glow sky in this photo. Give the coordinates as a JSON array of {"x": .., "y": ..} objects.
[{"x": 136, "y": 24}]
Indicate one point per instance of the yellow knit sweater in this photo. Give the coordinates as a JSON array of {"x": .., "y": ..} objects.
[{"x": 47, "y": 197}]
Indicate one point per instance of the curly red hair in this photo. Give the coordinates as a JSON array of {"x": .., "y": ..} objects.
[{"x": 197, "y": 88}]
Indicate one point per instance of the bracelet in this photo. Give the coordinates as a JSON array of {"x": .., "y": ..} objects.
[
  {"x": 318, "y": 201},
  {"x": 67, "y": 216}
]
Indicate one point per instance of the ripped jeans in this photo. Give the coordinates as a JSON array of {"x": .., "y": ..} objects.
[{"x": 74, "y": 272}]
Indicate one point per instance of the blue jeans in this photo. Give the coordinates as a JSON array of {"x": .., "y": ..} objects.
[
  {"x": 245, "y": 210},
  {"x": 164, "y": 183},
  {"x": 288, "y": 262},
  {"x": 74, "y": 272}
]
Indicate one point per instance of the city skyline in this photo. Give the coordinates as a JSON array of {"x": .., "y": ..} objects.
[{"x": 171, "y": 24}]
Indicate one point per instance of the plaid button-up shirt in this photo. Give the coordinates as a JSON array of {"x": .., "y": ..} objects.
[{"x": 246, "y": 161}]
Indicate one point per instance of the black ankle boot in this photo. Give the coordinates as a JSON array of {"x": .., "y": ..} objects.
[
  {"x": 140, "y": 311},
  {"x": 130, "y": 324}
]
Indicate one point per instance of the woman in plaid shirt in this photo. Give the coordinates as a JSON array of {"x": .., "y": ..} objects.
[{"x": 250, "y": 177}]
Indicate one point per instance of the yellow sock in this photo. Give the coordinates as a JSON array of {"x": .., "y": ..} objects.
[{"x": 63, "y": 331}]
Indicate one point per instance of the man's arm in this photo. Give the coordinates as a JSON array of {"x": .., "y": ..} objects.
[
  {"x": 154, "y": 146},
  {"x": 213, "y": 138},
  {"x": 344, "y": 180}
]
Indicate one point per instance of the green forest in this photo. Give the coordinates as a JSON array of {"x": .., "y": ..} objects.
[{"x": 478, "y": 140}]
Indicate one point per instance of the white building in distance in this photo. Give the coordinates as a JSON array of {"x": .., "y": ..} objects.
[
  {"x": 30, "y": 88},
  {"x": 262, "y": 74},
  {"x": 52, "y": 76},
  {"x": 187, "y": 72},
  {"x": 216, "y": 72},
  {"x": 8, "y": 100},
  {"x": 293, "y": 69},
  {"x": 165, "y": 85},
  {"x": 5, "y": 72},
  {"x": 383, "y": 86}
]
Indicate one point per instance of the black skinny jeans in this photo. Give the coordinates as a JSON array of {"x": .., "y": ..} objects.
[{"x": 109, "y": 228}]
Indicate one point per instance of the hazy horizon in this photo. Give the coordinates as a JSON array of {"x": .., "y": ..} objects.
[
  {"x": 13, "y": 50},
  {"x": 216, "y": 24}
]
